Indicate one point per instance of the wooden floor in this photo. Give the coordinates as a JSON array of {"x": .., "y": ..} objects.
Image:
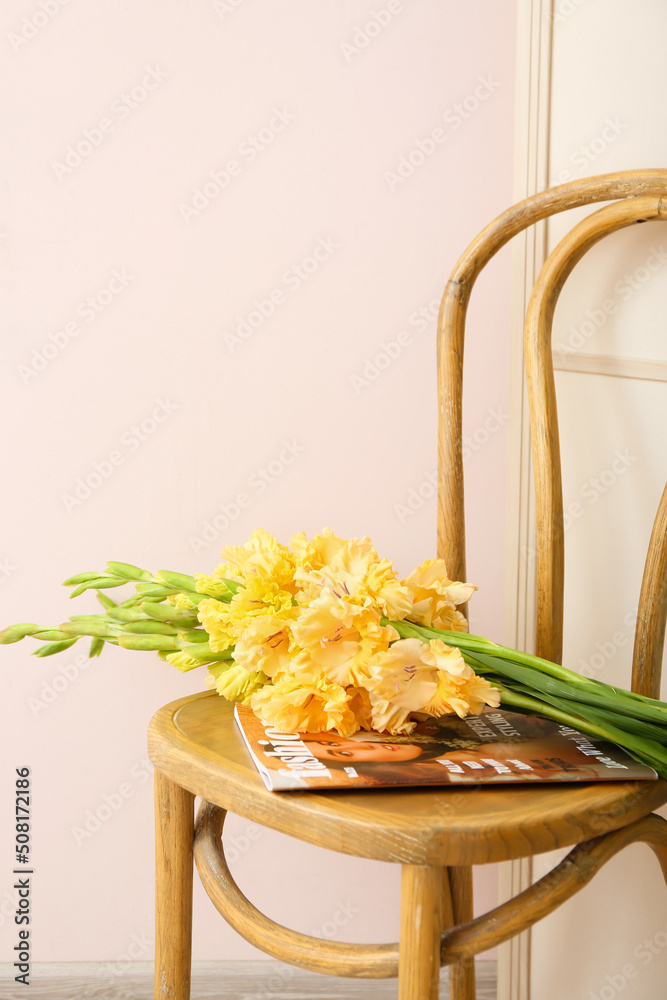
[{"x": 261, "y": 980}]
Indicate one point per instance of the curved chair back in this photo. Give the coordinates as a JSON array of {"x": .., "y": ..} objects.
[{"x": 637, "y": 196}]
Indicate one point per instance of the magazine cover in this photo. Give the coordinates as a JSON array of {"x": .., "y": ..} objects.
[{"x": 495, "y": 747}]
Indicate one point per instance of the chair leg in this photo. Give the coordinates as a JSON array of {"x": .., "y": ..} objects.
[
  {"x": 174, "y": 832},
  {"x": 421, "y": 922},
  {"x": 461, "y": 974}
]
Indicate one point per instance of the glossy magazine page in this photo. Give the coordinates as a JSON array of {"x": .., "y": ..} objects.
[{"x": 495, "y": 747}]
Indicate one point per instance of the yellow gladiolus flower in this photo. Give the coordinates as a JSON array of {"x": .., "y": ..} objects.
[
  {"x": 319, "y": 551},
  {"x": 435, "y": 597},
  {"x": 227, "y": 623},
  {"x": 259, "y": 597},
  {"x": 264, "y": 644},
  {"x": 291, "y": 706},
  {"x": 356, "y": 573},
  {"x": 414, "y": 677},
  {"x": 462, "y": 696},
  {"x": 402, "y": 680},
  {"x": 214, "y": 616},
  {"x": 339, "y": 638},
  {"x": 182, "y": 602},
  {"x": 234, "y": 682},
  {"x": 213, "y": 585},
  {"x": 359, "y": 701},
  {"x": 263, "y": 556},
  {"x": 182, "y": 661}
]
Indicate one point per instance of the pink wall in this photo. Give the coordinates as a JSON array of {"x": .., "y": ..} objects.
[{"x": 122, "y": 116}]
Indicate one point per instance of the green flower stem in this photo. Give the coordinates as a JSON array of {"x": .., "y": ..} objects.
[
  {"x": 510, "y": 662},
  {"x": 653, "y": 755},
  {"x": 531, "y": 683},
  {"x": 606, "y": 697},
  {"x": 478, "y": 643}
]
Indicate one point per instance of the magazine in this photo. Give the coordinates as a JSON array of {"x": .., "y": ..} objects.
[{"x": 494, "y": 747}]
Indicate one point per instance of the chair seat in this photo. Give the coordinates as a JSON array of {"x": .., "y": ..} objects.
[{"x": 196, "y": 743}]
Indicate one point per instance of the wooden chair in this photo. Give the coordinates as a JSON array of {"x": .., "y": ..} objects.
[{"x": 436, "y": 835}]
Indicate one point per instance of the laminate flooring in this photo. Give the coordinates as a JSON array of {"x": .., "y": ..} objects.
[{"x": 262, "y": 980}]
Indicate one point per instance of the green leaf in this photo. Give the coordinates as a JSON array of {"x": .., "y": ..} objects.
[{"x": 54, "y": 647}]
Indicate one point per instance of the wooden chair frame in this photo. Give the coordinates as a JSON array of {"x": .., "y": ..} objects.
[{"x": 437, "y": 927}]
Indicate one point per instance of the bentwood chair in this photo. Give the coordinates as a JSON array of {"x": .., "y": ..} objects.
[{"x": 436, "y": 835}]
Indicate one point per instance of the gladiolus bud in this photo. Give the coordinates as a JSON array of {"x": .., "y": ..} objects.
[
  {"x": 130, "y": 572},
  {"x": 177, "y": 580},
  {"x": 15, "y": 632},
  {"x": 148, "y": 642}
]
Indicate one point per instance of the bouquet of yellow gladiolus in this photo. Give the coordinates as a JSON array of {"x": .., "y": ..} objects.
[{"x": 321, "y": 635}]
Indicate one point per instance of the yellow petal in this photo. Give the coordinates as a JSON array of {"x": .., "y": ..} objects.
[
  {"x": 264, "y": 645},
  {"x": 293, "y": 707},
  {"x": 234, "y": 683},
  {"x": 435, "y": 597},
  {"x": 340, "y": 637}
]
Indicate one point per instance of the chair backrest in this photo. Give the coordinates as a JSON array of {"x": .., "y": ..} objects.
[{"x": 637, "y": 196}]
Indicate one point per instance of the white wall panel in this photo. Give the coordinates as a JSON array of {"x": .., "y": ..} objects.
[{"x": 607, "y": 114}]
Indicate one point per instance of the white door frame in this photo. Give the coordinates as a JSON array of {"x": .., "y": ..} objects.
[{"x": 531, "y": 175}]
